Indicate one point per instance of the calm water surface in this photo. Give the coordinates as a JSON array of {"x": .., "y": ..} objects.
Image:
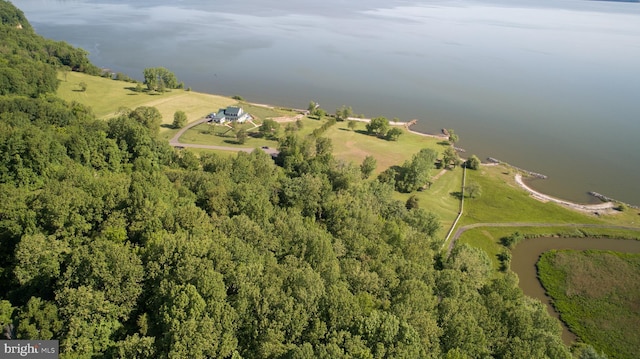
[
  {"x": 525, "y": 256},
  {"x": 551, "y": 86}
]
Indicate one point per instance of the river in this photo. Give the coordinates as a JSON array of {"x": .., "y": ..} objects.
[
  {"x": 550, "y": 86},
  {"x": 525, "y": 256}
]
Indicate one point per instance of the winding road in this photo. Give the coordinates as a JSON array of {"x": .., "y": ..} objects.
[{"x": 175, "y": 142}]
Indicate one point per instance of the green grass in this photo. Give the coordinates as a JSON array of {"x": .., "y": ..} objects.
[
  {"x": 200, "y": 151},
  {"x": 489, "y": 238},
  {"x": 502, "y": 200},
  {"x": 261, "y": 113},
  {"x": 220, "y": 135},
  {"x": 596, "y": 293},
  {"x": 438, "y": 198},
  {"x": 355, "y": 145},
  {"x": 106, "y": 96}
]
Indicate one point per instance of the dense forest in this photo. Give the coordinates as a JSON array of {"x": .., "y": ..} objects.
[{"x": 120, "y": 246}]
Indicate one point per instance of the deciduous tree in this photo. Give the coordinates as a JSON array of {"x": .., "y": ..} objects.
[
  {"x": 368, "y": 166},
  {"x": 453, "y": 137},
  {"x": 241, "y": 136},
  {"x": 269, "y": 128},
  {"x": 159, "y": 78},
  {"x": 378, "y": 126},
  {"x": 343, "y": 113},
  {"x": 449, "y": 157},
  {"x": 473, "y": 190},
  {"x": 415, "y": 173},
  {"x": 393, "y": 134},
  {"x": 473, "y": 162},
  {"x": 179, "y": 119}
]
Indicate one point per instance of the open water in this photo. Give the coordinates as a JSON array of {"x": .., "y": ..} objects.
[{"x": 550, "y": 86}]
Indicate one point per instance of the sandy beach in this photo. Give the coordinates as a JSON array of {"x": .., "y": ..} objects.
[{"x": 606, "y": 207}]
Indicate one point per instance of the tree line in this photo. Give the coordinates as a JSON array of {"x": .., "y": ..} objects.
[{"x": 28, "y": 62}]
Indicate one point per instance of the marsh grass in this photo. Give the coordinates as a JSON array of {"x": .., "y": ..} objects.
[{"x": 597, "y": 295}]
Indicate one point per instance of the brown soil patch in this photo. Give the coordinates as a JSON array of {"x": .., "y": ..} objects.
[{"x": 287, "y": 118}]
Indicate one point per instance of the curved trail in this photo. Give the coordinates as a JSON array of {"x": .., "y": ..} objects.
[
  {"x": 546, "y": 198},
  {"x": 175, "y": 141}
]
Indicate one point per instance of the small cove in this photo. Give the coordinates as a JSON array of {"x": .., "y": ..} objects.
[{"x": 525, "y": 256}]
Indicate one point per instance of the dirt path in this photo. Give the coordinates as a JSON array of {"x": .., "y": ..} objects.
[
  {"x": 435, "y": 178},
  {"x": 287, "y": 118}
]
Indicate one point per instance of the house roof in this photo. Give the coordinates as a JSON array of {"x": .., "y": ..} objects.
[{"x": 233, "y": 111}]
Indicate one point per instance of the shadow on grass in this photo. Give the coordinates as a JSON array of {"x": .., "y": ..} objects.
[
  {"x": 457, "y": 195},
  {"x": 444, "y": 143},
  {"x": 168, "y": 125},
  {"x": 135, "y": 91},
  {"x": 233, "y": 142},
  {"x": 364, "y": 132}
]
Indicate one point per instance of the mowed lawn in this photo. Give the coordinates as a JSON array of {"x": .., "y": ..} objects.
[
  {"x": 440, "y": 198},
  {"x": 107, "y": 96},
  {"x": 355, "y": 145},
  {"x": 502, "y": 200}
]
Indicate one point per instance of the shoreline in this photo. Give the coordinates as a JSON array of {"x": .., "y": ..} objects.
[
  {"x": 406, "y": 125},
  {"x": 595, "y": 209},
  {"x": 606, "y": 207}
]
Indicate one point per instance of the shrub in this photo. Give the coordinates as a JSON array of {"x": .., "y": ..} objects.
[
  {"x": 473, "y": 162},
  {"x": 512, "y": 240}
]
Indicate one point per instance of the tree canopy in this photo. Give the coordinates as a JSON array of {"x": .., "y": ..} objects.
[
  {"x": 28, "y": 62},
  {"x": 160, "y": 79}
]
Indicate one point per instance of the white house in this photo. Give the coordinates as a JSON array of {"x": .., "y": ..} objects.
[{"x": 230, "y": 113}]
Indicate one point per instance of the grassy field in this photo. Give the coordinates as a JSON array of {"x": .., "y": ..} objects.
[
  {"x": 597, "y": 295},
  {"x": 503, "y": 201},
  {"x": 356, "y": 145},
  {"x": 106, "y": 96}
]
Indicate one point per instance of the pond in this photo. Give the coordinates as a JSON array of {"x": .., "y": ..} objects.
[{"x": 525, "y": 256}]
